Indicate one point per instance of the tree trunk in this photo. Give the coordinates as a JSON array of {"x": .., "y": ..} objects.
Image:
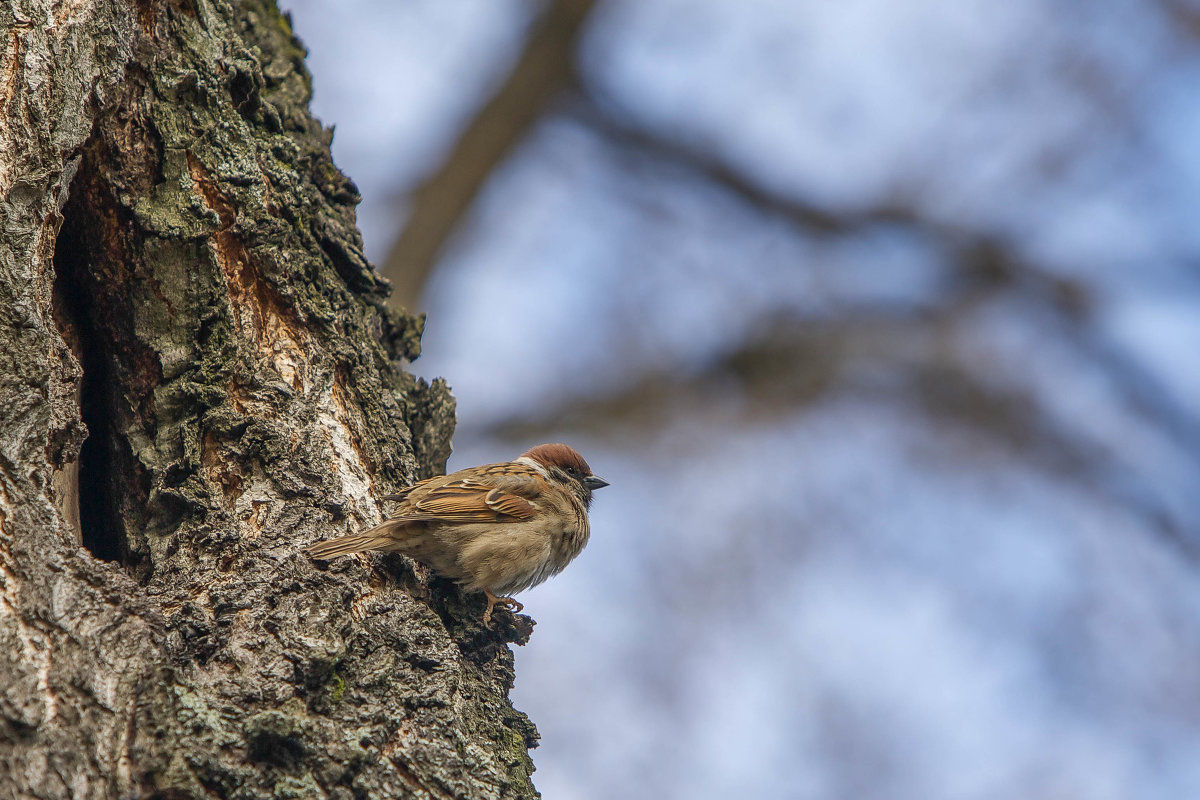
[{"x": 199, "y": 376}]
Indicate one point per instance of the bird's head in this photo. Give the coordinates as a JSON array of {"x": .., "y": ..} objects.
[{"x": 567, "y": 467}]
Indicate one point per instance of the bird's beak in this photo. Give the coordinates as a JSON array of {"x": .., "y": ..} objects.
[{"x": 593, "y": 482}]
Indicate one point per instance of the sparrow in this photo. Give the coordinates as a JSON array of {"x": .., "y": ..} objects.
[{"x": 499, "y": 528}]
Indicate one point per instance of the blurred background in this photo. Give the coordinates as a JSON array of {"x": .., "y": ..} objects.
[{"x": 882, "y": 319}]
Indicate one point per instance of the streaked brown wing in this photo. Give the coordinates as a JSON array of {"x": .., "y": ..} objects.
[
  {"x": 491, "y": 475},
  {"x": 400, "y": 495},
  {"x": 489, "y": 494},
  {"x": 509, "y": 504},
  {"x": 472, "y": 502},
  {"x": 520, "y": 478}
]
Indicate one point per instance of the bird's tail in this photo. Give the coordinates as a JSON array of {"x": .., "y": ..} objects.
[{"x": 380, "y": 538}]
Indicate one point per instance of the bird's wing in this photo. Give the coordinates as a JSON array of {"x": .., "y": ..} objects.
[
  {"x": 495, "y": 493},
  {"x": 401, "y": 495}
]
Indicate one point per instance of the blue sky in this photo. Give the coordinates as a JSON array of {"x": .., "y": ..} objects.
[{"x": 934, "y": 533}]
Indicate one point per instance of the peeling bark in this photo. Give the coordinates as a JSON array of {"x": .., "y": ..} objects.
[{"x": 199, "y": 375}]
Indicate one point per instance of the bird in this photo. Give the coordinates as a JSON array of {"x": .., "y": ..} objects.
[{"x": 497, "y": 528}]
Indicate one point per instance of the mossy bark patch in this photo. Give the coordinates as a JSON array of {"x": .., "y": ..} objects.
[{"x": 199, "y": 376}]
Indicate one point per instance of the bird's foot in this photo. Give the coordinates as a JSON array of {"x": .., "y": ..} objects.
[{"x": 496, "y": 600}]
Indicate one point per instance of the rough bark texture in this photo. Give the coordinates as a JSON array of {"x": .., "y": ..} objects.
[{"x": 198, "y": 376}]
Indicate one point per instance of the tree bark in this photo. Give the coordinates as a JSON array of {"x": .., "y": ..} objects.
[{"x": 199, "y": 376}]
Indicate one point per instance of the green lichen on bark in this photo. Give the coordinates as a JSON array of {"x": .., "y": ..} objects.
[{"x": 247, "y": 397}]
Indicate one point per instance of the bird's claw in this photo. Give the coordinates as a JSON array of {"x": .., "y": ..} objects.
[
  {"x": 513, "y": 605},
  {"x": 495, "y": 600}
]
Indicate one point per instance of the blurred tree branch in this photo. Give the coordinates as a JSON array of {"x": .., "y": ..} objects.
[
  {"x": 543, "y": 70},
  {"x": 792, "y": 363},
  {"x": 546, "y": 72},
  {"x": 984, "y": 262},
  {"x": 1185, "y": 15},
  {"x": 610, "y": 121}
]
